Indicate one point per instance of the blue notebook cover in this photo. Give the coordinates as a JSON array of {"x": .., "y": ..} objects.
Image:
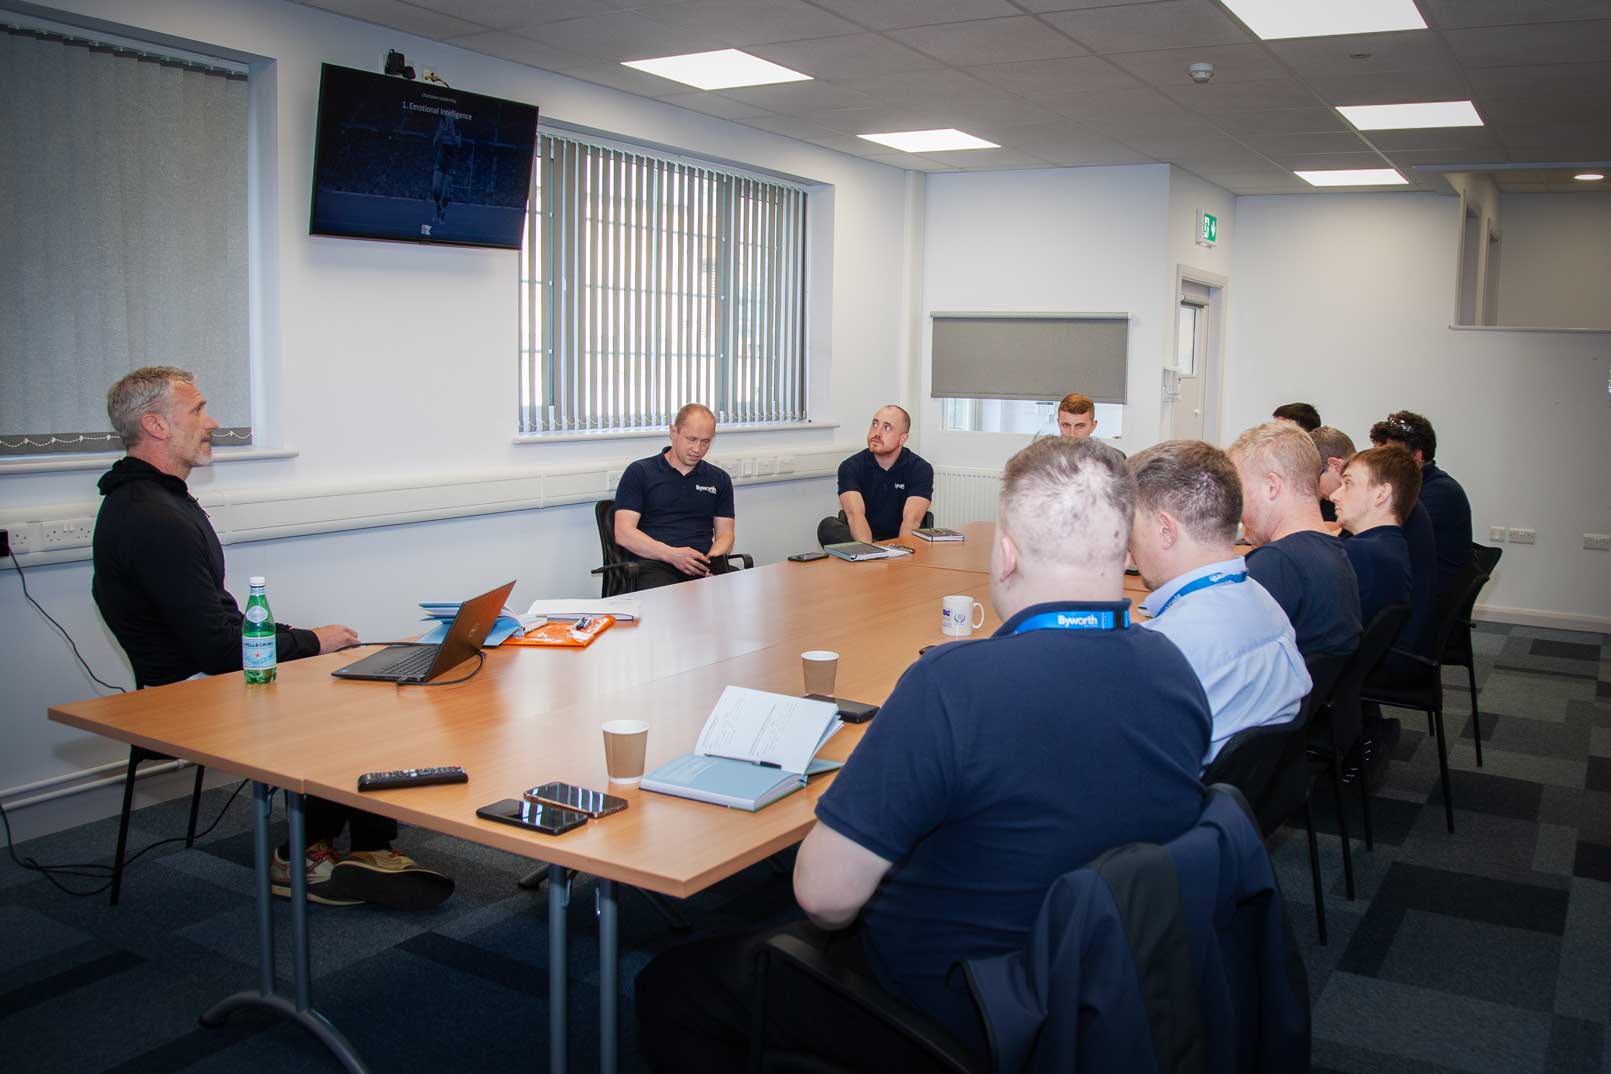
[
  {"x": 501, "y": 630},
  {"x": 737, "y": 784}
]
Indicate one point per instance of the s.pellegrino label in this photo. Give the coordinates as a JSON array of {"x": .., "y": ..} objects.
[{"x": 259, "y": 657}]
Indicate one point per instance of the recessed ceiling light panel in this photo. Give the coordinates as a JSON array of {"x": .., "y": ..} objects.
[
  {"x": 937, "y": 141},
  {"x": 1272, "y": 19},
  {"x": 1399, "y": 117},
  {"x": 1354, "y": 177},
  {"x": 1588, "y": 177},
  {"x": 725, "y": 68}
]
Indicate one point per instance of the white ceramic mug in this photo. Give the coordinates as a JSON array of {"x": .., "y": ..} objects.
[{"x": 960, "y": 616}]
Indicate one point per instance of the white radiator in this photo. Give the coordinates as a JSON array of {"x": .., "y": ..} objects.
[{"x": 963, "y": 496}]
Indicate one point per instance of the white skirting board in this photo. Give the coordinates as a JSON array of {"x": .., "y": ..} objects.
[{"x": 1594, "y": 624}]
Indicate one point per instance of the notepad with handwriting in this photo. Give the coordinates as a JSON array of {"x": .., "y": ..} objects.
[{"x": 755, "y": 748}]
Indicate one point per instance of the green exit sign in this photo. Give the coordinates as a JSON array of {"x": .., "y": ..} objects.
[{"x": 1207, "y": 228}]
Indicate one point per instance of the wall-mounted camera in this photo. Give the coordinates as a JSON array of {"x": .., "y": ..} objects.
[{"x": 396, "y": 65}]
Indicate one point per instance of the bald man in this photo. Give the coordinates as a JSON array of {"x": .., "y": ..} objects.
[
  {"x": 885, "y": 490},
  {"x": 674, "y": 510}
]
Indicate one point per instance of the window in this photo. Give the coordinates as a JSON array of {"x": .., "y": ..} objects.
[
  {"x": 647, "y": 283},
  {"x": 125, "y": 234},
  {"x": 1019, "y": 416}
]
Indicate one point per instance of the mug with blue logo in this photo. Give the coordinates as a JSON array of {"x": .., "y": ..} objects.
[{"x": 960, "y": 616}]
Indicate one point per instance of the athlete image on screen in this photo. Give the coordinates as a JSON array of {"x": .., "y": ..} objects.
[{"x": 448, "y": 143}]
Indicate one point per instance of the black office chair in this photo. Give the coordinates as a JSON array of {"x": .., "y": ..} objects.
[
  {"x": 1423, "y": 688},
  {"x": 1269, "y": 766},
  {"x": 1458, "y": 652},
  {"x": 619, "y": 574},
  {"x": 1338, "y": 730},
  {"x": 928, "y": 519},
  {"x": 137, "y": 756}
]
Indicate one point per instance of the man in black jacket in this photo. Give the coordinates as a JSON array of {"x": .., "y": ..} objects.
[{"x": 159, "y": 584}]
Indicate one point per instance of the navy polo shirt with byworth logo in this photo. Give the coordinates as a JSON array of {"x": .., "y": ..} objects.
[
  {"x": 677, "y": 509},
  {"x": 885, "y": 492}
]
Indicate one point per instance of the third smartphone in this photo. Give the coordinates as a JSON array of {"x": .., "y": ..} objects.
[
  {"x": 582, "y": 800},
  {"x": 538, "y": 817}
]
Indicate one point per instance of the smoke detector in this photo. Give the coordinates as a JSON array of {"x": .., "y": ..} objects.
[{"x": 1200, "y": 72}]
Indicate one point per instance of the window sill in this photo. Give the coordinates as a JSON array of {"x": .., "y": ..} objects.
[
  {"x": 660, "y": 434},
  {"x": 100, "y": 460}
]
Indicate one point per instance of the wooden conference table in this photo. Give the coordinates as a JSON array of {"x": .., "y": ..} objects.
[{"x": 533, "y": 715}]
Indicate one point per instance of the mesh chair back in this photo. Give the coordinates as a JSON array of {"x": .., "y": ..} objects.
[{"x": 612, "y": 583}]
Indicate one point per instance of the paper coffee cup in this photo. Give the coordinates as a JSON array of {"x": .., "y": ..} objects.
[
  {"x": 820, "y": 666},
  {"x": 624, "y": 744},
  {"x": 960, "y": 615}
]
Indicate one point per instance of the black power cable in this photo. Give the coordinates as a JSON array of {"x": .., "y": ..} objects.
[{"x": 23, "y": 578}]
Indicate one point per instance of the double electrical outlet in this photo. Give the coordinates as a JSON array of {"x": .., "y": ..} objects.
[
  {"x": 1593, "y": 542},
  {"x": 53, "y": 536}
]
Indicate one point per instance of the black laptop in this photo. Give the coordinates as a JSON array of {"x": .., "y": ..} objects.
[{"x": 412, "y": 662}]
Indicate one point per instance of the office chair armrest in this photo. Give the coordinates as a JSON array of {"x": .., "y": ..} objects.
[
  {"x": 858, "y": 991},
  {"x": 630, "y": 567},
  {"x": 1414, "y": 658},
  {"x": 749, "y": 563}
]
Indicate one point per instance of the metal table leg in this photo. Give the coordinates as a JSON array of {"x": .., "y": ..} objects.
[
  {"x": 558, "y": 897},
  {"x": 265, "y": 998},
  {"x": 609, "y": 962}
]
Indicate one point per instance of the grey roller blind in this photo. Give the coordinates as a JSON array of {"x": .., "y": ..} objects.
[
  {"x": 647, "y": 283},
  {"x": 1030, "y": 357},
  {"x": 123, "y": 225}
]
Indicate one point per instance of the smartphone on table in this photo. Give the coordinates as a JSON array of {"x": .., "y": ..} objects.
[
  {"x": 807, "y": 557},
  {"x": 579, "y": 799},
  {"x": 534, "y": 816}
]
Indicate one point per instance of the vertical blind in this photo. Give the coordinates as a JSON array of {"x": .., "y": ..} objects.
[
  {"x": 123, "y": 225},
  {"x": 647, "y": 283}
]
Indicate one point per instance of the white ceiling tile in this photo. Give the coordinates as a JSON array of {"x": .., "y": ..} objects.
[
  {"x": 1071, "y": 5},
  {"x": 1552, "y": 42},
  {"x": 1328, "y": 162},
  {"x": 1479, "y": 139},
  {"x": 987, "y": 159},
  {"x": 1037, "y": 78},
  {"x": 1133, "y": 130},
  {"x": 1578, "y": 81},
  {"x": 883, "y": 118},
  {"x": 895, "y": 14},
  {"x": 749, "y": 22},
  {"x": 1393, "y": 87},
  {"x": 619, "y": 36},
  {"x": 628, "y": 79},
  {"x": 1448, "y": 14},
  {"x": 713, "y": 104},
  {"x": 1112, "y": 104},
  {"x": 1063, "y": 142},
  {"x": 911, "y": 162},
  {"x": 1232, "y": 63},
  {"x": 1285, "y": 144},
  {"x": 989, "y": 41},
  {"x": 514, "y": 14},
  {"x": 507, "y": 45},
  {"x": 1409, "y": 158},
  {"x": 1242, "y": 96},
  {"x": 1335, "y": 57},
  {"x": 1143, "y": 27},
  {"x": 1510, "y": 111},
  {"x": 942, "y": 84},
  {"x": 1220, "y": 156},
  {"x": 852, "y": 56},
  {"x": 1283, "y": 121},
  {"x": 847, "y": 143},
  {"x": 400, "y": 16},
  {"x": 797, "y": 98},
  {"x": 791, "y": 126}
]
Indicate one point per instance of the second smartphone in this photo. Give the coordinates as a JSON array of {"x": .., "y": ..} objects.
[{"x": 569, "y": 796}]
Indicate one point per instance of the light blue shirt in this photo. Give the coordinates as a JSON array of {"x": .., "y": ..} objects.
[{"x": 1240, "y": 643}]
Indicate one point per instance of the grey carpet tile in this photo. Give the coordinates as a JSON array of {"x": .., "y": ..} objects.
[
  {"x": 31, "y": 935},
  {"x": 1598, "y": 774},
  {"x": 1592, "y": 861},
  {"x": 1585, "y": 985},
  {"x": 1575, "y": 1044},
  {"x": 1570, "y": 739},
  {"x": 1599, "y": 741},
  {"x": 1516, "y": 967},
  {"x": 1552, "y": 634},
  {"x": 1552, "y": 771},
  {"x": 1555, "y": 850},
  {"x": 1588, "y": 812},
  {"x": 1433, "y": 1026},
  {"x": 1568, "y": 650},
  {"x": 1538, "y": 697}
]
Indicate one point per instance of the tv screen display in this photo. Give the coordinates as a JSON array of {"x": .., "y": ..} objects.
[{"x": 417, "y": 162}]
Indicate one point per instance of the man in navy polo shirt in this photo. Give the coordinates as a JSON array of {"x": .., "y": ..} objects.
[
  {"x": 976, "y": 786},
  {"x": 674, "y": 510},
  {"x": 1297, "y": 559},
  {"x": 885, "y": 490},
  {"x": 1445, "y": 501}
]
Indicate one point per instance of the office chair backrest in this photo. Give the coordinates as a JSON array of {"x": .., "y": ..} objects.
[
  {"x": 1455, "y": 604},
  {"x": 1458, "y": 649},
  {"x": 1256, "y": 760},
  {"x": 927, "y": 523},
  {"x": 1343, "y": 704},
  {"x": 612, "y": 583}
]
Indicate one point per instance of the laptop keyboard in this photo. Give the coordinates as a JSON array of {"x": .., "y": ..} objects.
[{"x": 411, "y": 663}]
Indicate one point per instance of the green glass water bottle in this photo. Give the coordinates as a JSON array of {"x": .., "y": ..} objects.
[{"x": 259, "y": 655}]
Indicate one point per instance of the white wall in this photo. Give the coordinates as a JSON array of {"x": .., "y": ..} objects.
[
  {"x": 1344, "y": 300},
  {"x": 1556, "y": 260},
  {"x": 1188, "y": 194},
  {"x": 1081, "y": 240},
  {"x": 351, "y": 315}
]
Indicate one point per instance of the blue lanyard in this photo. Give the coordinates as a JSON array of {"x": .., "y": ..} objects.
[
  {"x": 1091, "y": 620},
  {"x": 1207, "y": 581}
]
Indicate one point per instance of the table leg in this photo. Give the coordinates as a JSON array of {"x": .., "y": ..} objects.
[
  {"x": 558, "y": 896},
  {"x": 265, "y": 998},
  {"x": 609, "y": 962}
]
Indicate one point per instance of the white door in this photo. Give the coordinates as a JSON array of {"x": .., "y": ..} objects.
[{"x": 1191, "y": 351}]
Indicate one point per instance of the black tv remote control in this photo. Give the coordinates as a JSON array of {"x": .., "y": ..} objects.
[{"x": 411, "y": 777}]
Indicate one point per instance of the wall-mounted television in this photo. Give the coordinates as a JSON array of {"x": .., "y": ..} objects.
[{"x": 416, "y": 162}]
